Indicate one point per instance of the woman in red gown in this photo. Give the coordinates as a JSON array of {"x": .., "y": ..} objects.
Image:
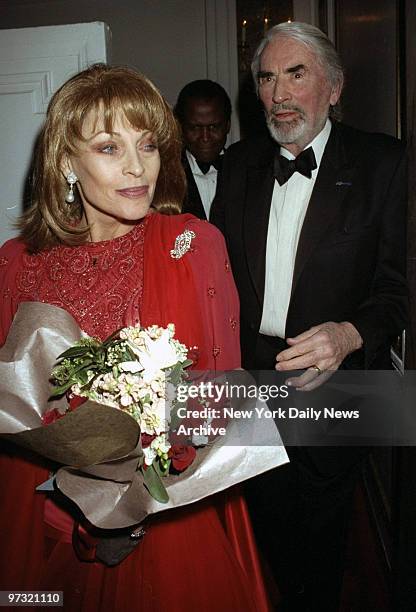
[{"x": 96, "y": 243}]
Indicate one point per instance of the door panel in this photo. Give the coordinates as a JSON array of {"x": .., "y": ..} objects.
[{"x": 34, "y": 63}]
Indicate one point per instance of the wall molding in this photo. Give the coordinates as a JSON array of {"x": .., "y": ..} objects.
[{"x": 221, "y": 52}]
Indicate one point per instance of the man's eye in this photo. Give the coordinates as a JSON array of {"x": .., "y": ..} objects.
[
  {"x": 195, "y": 129},
  {"x": 267, "y": 80},
  {"x": 298, "y": 75}
]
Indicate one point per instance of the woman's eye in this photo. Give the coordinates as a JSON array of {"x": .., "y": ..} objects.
[
  {"x": 150, "y": 146},
  {"x": 109, "y": 149}
]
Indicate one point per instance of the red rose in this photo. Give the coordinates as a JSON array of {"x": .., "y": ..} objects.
[
  {"x": 193, "y": 354},
  {"x": 75, "y": 400},
  {"x": 51, "y": 416},
  {"x": 181, "y": 455},
  {"x": 147, "y": 439}
]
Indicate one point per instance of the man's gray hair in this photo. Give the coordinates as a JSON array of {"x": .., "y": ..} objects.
[{"x": 314, "y": 39}]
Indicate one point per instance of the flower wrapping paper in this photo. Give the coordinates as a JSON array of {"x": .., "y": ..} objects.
[{"x": 98, "y": 446}]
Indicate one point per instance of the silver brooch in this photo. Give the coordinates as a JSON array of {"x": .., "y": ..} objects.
[{"x": 182, "y": 244}]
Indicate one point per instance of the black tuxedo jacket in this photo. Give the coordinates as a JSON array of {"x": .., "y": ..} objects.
[
  {"x": 192, "y": 202},
  {"x": 350, "y": 261}
]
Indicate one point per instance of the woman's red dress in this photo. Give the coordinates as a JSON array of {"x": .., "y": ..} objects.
[{"x": 201, "y": 557}]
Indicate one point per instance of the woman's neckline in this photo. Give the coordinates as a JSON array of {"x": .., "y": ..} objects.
[{"x": 134, "y": 232}]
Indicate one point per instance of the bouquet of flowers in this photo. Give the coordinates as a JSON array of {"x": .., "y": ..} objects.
[
  {"x": 120, "y": 444},
  {"x": 135, "y": 370}
]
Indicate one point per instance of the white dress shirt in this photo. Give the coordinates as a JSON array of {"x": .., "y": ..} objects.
[
  {"x": 206, "y": 183},
  {"x": 287, "y": 212}
]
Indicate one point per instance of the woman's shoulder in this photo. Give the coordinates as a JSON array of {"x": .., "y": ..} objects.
[
  {"x": 12, "y": 250},
  {"x": 204, "y": 228},
  {"x": 174, "y": 226}
]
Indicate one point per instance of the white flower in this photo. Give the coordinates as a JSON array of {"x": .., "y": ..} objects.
[
  {"x": 151, "y": 421},
  {"x": 76, "y": 389},
  {"x": 160, "y": 446},
  {"x": 106, "y": 382},
  {"x": 129, "y": 387},
  {"x": 130, "y": 366},
  {"x": 156, "y": 354},
  {"x": 149, "y": 455}
]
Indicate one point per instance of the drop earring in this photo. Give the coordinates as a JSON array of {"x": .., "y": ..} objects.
[{"x": 71, "y": 180}]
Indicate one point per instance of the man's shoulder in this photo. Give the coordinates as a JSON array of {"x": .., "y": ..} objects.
[
  {"x": 251, "y": 149},
  {"x": 368, "y": 142}
]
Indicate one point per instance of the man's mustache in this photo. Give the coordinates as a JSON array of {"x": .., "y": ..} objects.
[{"x": 286, "y": 107}]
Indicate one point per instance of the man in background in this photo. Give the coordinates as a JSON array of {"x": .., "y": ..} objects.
[
  {"x": 204, "y": 112},
  {"x": 314, "y": 220}
]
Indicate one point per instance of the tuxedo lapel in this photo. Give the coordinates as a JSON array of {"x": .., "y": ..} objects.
[
  {"x": 259, "y": 191},
  {"x": 331, "y": 187},
  {"x": 192, "y": 203}
]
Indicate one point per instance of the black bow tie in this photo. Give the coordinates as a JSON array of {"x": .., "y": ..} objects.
[
  {"x": 205, "y": 166},
  {"x": 304, "y": 163}
]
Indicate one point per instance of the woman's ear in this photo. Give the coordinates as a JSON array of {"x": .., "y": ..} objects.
[{"x": 66, "y": 167}]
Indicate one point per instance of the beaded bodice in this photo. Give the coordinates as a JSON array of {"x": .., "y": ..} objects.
[{"x": 100, "y": 284}]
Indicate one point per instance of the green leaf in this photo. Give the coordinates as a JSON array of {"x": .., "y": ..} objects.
[
  {"x": 57, "y": 391},
  {"x": 112, "y": 337},
  {"x": 82, "y": 377},
  {"x": 128, "y": 355},
  {"x": 174, "y": 375},
  {"x": 157, "y": 464},
  {"x": 175, "y": 421},
  {"x": 154, "y": 485},
  {"x": 74, "y": 351}
]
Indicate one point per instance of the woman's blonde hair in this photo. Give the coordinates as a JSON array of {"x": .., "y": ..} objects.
[{"x": 50, "y": 220}]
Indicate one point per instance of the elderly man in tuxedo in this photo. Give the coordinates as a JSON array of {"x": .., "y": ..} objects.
[
  {"x": 203, "y": 109},
  {"x": 314, "y": 219}
]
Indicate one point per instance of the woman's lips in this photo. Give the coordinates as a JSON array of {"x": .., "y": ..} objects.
[{"x": 134, "y": 192}]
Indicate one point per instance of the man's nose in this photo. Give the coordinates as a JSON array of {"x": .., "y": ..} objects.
[
  {"x": 280, "y": 93},
  {"x": 205, "y": 133}
]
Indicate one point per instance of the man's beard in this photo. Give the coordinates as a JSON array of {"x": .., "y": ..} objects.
[{"x": 285, "y": 132}]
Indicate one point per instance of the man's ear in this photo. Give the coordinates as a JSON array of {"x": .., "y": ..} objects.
[
  {"x": 336, "y": 93},
  {"x": 228, "y": 125}
]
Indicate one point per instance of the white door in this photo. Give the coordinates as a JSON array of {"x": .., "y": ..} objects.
[{"x": 34, "y": 62}]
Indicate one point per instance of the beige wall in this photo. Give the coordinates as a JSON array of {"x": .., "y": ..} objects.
[{"x": 165, "y": 39}]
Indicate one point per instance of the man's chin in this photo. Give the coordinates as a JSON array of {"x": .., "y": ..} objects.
[
  {"x": 286, "y": 132},
  {"x": 206, "y": 157}
]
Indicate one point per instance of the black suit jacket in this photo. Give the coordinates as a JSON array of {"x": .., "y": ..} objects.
[
  {"x": 350, "y": 262},
  {"x": 192, "y": 202}
]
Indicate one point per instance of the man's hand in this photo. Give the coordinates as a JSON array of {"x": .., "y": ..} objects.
[{"x": 319, "y": 350}]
